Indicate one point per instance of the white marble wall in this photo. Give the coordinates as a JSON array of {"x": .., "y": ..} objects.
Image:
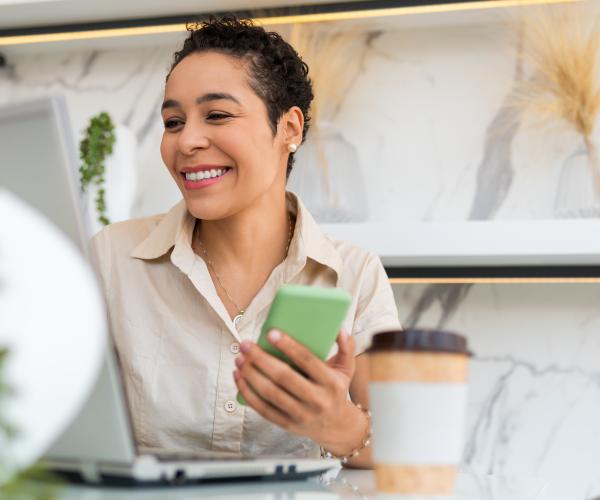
[
  {"x": 427, "y": 115},
  {"x": 435, "y": 141},
  {"x": 534, "y": 404}
]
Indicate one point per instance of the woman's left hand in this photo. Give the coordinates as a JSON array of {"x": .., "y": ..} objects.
[{"x": 315, "y": 405}]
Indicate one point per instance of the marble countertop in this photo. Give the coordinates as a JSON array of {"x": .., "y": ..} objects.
[{"x": 340, "y": 484}]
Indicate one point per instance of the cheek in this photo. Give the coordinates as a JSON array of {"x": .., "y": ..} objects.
[
  {"x": 250, "y": 148},
  {"x": 166, "y": 150}
]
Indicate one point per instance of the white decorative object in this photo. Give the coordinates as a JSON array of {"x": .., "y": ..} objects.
[
  {"x": 328, "y": 178},
  {"x": 121, "y": 182},
  {"x": 53, "y": 324},
  {"x": 578, "y": 193}
]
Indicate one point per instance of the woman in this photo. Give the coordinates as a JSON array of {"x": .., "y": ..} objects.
[{"x": 189, "y": 290}]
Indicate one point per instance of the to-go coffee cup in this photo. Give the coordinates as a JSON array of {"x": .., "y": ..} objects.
[{"x": 418, "y": 393}]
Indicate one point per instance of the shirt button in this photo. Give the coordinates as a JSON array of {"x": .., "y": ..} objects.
[
  {"x": 235, "y": 348},
  {"x": 230, "y": 406}
]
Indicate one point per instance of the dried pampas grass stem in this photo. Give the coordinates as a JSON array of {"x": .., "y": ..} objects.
[
  {"x": 562, "y": 47},
  {"x": 334, "y": 57}
]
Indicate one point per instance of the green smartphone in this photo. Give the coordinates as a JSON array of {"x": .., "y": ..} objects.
[{"x": 311, "y": 315}]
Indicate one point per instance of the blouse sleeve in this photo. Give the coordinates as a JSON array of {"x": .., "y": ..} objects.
[{"x": 376, "y": 308}]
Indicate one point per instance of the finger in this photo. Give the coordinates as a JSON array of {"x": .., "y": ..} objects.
[
  {"x": 261, "y": 407},
  {"x": 345, "y": 351},
  {"x": 342, "y": 342},
  {"x": 344, "y": 361},
  {"x": 281, "y": 374},
  {"x": 346, "y": 347},
  {"x": 305, "y": 360},
  {"x": 277, "y": 396}
]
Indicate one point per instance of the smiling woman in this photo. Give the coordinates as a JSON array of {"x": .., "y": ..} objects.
[{"x": 235, "y": 109}]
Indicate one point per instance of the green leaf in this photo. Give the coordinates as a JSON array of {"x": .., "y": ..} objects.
[{"x": 96, "y": 145}]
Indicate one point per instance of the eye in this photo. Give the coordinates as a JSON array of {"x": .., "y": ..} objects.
[
  {"x": 172, "y": 123},
  {"x": 217, "y": 116}
]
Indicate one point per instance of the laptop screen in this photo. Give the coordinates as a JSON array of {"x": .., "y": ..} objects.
[{"x": 38, "y": 162}]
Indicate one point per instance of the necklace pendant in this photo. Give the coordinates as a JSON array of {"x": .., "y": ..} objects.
[{"x": 238, "y": 318}]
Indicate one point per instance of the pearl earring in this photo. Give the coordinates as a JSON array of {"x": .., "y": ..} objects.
[{"x": 292, "y": 147}]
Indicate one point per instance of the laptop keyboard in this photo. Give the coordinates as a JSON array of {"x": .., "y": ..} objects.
[{"x": 209, "y": 456}]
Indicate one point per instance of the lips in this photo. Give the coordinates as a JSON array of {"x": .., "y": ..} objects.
[{"x": 199, "y": 177}]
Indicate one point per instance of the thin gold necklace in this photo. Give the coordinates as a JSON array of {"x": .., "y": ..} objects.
[{"x": 211, "y": 266}]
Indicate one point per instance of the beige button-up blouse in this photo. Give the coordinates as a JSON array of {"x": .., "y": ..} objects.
[{"x": 177, "y": 344}]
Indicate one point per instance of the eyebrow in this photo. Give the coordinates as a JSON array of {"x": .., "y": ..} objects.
[{"x": 212, "y": 96}]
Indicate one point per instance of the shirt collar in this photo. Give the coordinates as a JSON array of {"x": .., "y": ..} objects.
[
  {"x": 308, "y": 241},
  {"x": 163, "y": 237}
]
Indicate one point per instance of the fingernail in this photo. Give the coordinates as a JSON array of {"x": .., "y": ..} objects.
[
  {"x": 245, "y": 346},
  {"x": 236, "y": 375},
  {"x": 239, "y": 361},
  {"x": 343, "y": 335},
  {"x": 274, "y": 336}
]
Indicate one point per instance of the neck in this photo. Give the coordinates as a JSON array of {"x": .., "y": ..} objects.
[{"x": 253, "y": 239}]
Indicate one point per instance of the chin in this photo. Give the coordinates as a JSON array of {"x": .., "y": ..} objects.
[{"x": 206, "y": 209}]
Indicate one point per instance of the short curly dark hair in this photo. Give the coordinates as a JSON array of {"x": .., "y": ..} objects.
[{"x": 277, "y": 74}]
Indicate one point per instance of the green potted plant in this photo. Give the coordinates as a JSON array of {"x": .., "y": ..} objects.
[{"x": 94, "y": 148}]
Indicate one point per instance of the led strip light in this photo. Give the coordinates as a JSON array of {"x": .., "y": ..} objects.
[{"x": 475, "y": 281}]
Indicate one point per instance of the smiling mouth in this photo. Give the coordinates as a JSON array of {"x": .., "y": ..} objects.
[{"x": 202, "y": 175}]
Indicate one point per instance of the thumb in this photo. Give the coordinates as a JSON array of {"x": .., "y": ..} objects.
[{"x": 346, "y": 347}]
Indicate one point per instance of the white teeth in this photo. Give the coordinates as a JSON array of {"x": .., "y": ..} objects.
[{"x": 205, "y": 174}]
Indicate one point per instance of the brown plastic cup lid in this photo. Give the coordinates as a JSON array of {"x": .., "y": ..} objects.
[{"x": 413, "y": 339}]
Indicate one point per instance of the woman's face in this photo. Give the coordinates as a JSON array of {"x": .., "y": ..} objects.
[{"x": 216, "y": 124}]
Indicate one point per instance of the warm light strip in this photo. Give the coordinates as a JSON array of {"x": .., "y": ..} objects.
[
  {"x": 301, "y": 18},
  {"x": 403, "y": 11},
  {"x": 460, "y": 281},
  {"x": 91, "y": 34}
]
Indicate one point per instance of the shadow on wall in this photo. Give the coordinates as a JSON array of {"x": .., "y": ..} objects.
[{"x": 449, "y": 298}]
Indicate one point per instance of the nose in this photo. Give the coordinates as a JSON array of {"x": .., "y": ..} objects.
[{"x": 192, "y": 137}]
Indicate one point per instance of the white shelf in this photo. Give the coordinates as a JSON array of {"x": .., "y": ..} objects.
[{"x": 477, "y": 243}]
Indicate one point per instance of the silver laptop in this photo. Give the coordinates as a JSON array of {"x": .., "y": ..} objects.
[{"x": 99, "y": 446}]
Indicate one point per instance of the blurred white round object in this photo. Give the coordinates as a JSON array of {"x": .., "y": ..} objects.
[{"x": 53, "y": 323}]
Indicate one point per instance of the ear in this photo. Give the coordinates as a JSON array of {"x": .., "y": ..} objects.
[{"x": 292, "y": 124}]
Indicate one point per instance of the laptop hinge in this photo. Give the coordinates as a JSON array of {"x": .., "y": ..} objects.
[{"x": 89, "y": 472}]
